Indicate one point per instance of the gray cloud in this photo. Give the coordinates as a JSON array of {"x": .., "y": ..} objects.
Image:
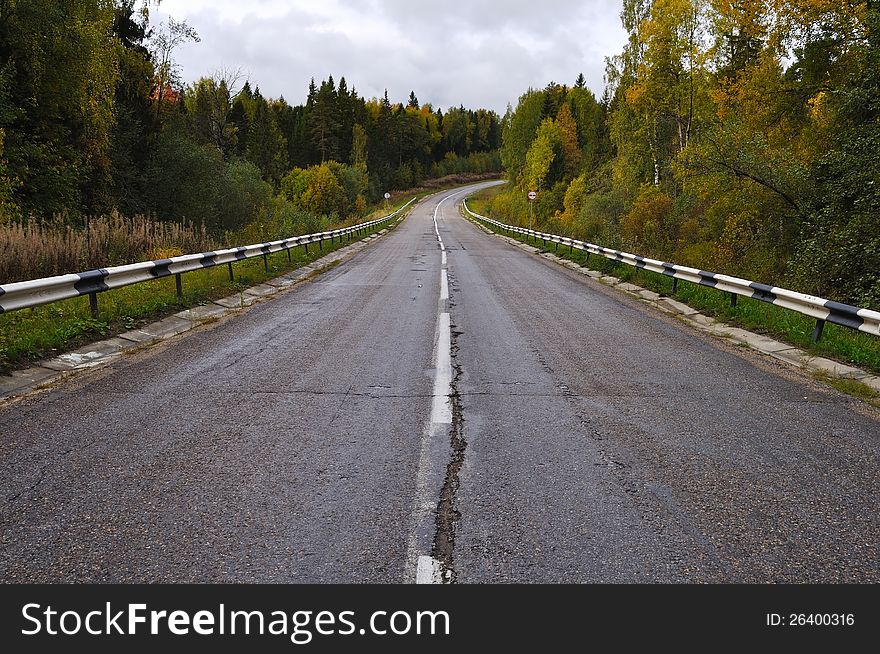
[{"x": 477, "y": 53}]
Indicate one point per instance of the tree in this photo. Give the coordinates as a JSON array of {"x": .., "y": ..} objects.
[
  {"x": 664, "y": 91},
  {"x": 135, "y": 128},
  {"x": 61, "y": 67},
  {"x": 242, "y": 108},
  {"x": 838, "y": 253},
  {"x": 591, "y": 120},
  {"x": 184, "y": 178},
  {"x": 359, "y": 147},
  {"x": 323, "y": 194},
  {"x": 571, "y": 151},
  {"x": 266, "y": 147},
  {"x": 457, "y": 130},
  {"x": 165, "y": 40},
  {"x": 209, "y": 105},
  {"x": 323, "y": 121},
  {"x": 520, "y": 128},
  {"x": 541, "y": 156}
]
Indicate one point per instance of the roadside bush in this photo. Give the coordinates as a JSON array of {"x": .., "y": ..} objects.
[{"x": 243, "y": 195}]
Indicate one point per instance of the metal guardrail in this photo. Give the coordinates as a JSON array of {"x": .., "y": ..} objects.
[
  {"x": 32, "y": 293},
  {"x": 864, "y": 320}
]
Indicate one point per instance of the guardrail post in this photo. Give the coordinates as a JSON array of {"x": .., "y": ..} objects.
[
  {"x": 178, "y": 286},
  {"x": 674, "y": 285},
  {"x": 733, "y": 297},
  {"x": 288, "y": 256},
  {"x": 266, "y": 262},
  {"x": 320, "y": 243},
  {"x": 307, "y": 248},
  {"x": 556, "y": 245},
  {"x": 229, "y": 267},
  {"x": 817, "y": 332},
  {"x": 93, "y": 305}
]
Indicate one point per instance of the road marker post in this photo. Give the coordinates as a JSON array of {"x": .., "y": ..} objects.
[{"x": 533, "y": 195}]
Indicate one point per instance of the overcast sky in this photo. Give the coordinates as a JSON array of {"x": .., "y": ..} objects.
[{"x": 480, "y": 53}]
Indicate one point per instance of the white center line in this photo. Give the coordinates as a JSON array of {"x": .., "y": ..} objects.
[
  {"x": 441, "y": 408},
  {"x": 428, "y": 570}
]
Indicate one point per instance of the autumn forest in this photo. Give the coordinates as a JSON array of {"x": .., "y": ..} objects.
[
  {"x": 97, "y": 127},
  {"x": 738, "y": 136}
]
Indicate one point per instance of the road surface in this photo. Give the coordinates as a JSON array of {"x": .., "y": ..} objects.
[{"x": 468, "y": 414}]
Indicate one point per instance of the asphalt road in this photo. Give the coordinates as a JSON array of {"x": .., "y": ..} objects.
[{"x": 548, "y": 429}]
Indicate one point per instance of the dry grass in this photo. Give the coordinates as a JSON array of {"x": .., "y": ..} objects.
[{"x": 41, "y": 248}]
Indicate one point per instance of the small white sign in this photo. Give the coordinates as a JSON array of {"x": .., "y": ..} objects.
[
  {"x": 532, "y": 195},
  {"x": 387, "y": 196}
]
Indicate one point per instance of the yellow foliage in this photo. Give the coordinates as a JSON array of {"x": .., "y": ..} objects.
[
  {"x": 568, "y": 134},
  {"x": 165, "y": 253},
  {"x": 644, "y": 227},
  {"x": 574, "y": 199},
  {"x": 635, "y": 94},
  {"x": 819, "y": 111}
]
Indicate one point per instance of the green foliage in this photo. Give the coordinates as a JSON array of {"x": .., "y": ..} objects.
[
  {"x": 739, "y": 137},
  {"x": 243, "y": 195},
  {"x": 330, "y": 188},
  {"x": 266, "y": 145},
  {"x": 520, "y": 129},
  {"x": 647, "y": 228},
  {"x": 94, "y": 118},
  {"x": 60, "y": 64},
  {"x": 541, "y": 155},
  {"x": 185, "y": 178},
  {"x": 323, "y": 193}
]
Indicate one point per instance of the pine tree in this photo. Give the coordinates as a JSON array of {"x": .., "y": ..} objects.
[
  {"x": 323, "y": 122},
  {"x": 266, "y": 146}
]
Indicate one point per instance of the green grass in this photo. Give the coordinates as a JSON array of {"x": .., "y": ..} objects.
[
  {"x": 32, "y": 334},
  {"x": 839, "y": 343},
  {"x": 854, "y": 388}
]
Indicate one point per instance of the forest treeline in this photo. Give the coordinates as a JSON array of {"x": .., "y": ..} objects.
[
  {"x": 94, "y": 119},
  {"x": 739, "y": 136}
]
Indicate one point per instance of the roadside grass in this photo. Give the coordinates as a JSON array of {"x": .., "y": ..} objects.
[
  {"x": 852, "y": 387},
  {"x": 838, "y": 343},
  {"x": 28, "y": 335}
]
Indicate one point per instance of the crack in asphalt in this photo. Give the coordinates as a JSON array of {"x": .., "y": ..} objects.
[
  {"x": 12, "y": 498},
  {"x": 44, "y": 470},
  {"x": 340, "y": 406},
  {"x": 443, "y": 550}
]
